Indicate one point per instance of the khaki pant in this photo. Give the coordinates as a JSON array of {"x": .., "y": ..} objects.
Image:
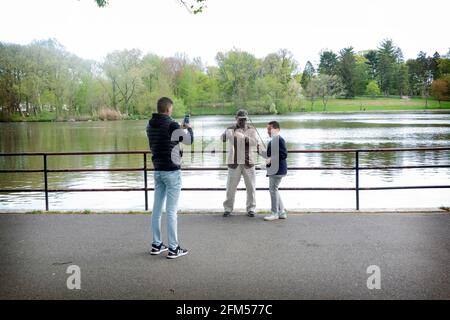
[{"x": 234, "y": 176}]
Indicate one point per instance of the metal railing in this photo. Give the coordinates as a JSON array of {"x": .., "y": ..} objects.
[{"x": 357, "y": 168}]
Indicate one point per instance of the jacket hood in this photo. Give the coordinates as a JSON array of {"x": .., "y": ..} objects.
[{"x": 158, "y": 119}]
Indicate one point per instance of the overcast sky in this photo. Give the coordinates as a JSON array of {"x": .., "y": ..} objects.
[{"x": 165, "y": 27}]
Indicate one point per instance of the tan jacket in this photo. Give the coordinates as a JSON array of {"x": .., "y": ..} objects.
[{"x": 241, "y": 148}]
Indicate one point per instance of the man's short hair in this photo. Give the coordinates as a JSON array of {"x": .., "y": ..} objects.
[
  {"x": 274, "y": 124},
  {"x": 163, "y": 104}
]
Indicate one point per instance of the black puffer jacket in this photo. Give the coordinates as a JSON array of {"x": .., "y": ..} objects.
[{"x": 164, "y": 142}]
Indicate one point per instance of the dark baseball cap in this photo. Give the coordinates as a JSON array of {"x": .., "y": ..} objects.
[{"x": 242, "y": 114}]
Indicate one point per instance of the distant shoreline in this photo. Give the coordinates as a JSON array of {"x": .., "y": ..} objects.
[{"x": 444, "y": 110}]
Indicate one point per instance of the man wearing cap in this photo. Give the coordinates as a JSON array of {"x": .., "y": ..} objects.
[{"x": 241, "y": 151}]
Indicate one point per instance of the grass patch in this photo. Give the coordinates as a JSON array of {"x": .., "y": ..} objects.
[
  {"x": 377, "y": 104},
  {"x": 35, "y": 212},
  {"x": 44, "y": 116},
  {"x": 357, "y": 104}
]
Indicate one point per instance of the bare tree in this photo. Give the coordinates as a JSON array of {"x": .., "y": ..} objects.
[
  {"x": 312, "y": 91},
  {"x": 123, "y": 69},
  {"x": 328, "y": 86}
]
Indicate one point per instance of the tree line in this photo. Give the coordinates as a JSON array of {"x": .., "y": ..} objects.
[
  {"x": 44, "y": 78},
  {"x": 382, "y": 71}
]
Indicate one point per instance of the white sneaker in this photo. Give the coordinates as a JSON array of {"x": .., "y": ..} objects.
[
  {"x": 283, "y": 215},
  {"x": 271, "y": 217}
]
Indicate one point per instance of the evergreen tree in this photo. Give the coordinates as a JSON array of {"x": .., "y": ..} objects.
[
  {"x": 328, "y": 63},
  {"x": 372, "y": 62},
  {"x": 347, "y": 71},
  {"x": 308, "y": 73},
  {"x": 387, "y": 59}
]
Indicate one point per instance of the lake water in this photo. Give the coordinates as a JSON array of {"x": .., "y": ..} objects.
[{"x": 301, "y": 131}]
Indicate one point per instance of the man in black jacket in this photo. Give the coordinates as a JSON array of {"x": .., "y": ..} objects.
[{"x": 164, "y": 136}]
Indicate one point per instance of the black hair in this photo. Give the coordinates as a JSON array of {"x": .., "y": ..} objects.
[
  {"x": 274, "y": 124},
  {"x": 163, "y": 104}
]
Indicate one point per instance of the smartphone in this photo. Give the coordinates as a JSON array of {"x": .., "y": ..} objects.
[{"x": 186, "y": 119}]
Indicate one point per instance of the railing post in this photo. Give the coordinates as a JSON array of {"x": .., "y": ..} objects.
[
  {"x": 357, "y": 178},
  {"x": 145, "y": 181},
  {"x": 45, "y": 182},
  {"x": 224, "y": 152}
]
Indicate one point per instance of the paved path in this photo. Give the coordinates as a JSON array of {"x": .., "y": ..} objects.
[{"x": 304, "y": 257}]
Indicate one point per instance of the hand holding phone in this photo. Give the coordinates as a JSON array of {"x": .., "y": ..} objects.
[{"x": 186, "y": 122}]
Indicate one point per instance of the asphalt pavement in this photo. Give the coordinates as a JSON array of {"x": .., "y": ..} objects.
[{"x": 307, "y": 256}]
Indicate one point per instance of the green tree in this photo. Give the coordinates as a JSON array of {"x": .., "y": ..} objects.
[
  {"x": 62, "y": 73},
  {"x": 328, "y": 63},
  {"x": 424, "y": 74},
  {"x": 361, "y": 74},
  {"x": 37, "y": 80},
  {"x": 10, "y": 79},
  {"x": 403, "y": 79},
  {"x": 123, "y": 69},
  {"x": 293, "y": 94},
  {"x": 308, "y": 73},
  {"x": 347, "y": 71},
  {"x": 443, "y": 66},
  {"x": 90, "y": 96},
  {"x": 388, "y": 58},
  {"x": 189, "y": 86},
  {"x": 373, "y": 89},
  {"x": 237, "y": 75},
  {"x": 440, "y": 90},
  {"x": 268, "y": 91},
  {"x": 288, "y": 67},
  {"x": 210, "y": 86},
  {"x": 434, "y": 65},
  {"x": 414, "y": 75},
  {"x": 270, "y": 65},
  {"x": 372, "y": 62}
]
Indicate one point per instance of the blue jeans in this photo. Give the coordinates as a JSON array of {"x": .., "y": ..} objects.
[{"x": 167, "y": 188}]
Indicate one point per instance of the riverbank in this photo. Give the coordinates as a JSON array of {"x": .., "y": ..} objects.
[
  {"x": 359, "y": 104},
  {"x": 440, "y": 210}
]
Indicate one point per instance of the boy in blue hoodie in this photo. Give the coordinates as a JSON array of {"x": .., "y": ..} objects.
[{"x": 276, "y": 164}]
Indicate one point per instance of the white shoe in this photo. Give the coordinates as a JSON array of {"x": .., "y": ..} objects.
[
  {"x": 271, "y": 217},
  {"x": 283, "y": 215}
]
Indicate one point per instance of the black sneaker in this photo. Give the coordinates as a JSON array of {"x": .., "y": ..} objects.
[
  {"x": 251, "y": 214},
  {"x": 178, "y": 252},
  {"x": 227, "y": 214},
  {"x": 158, "y": 249}
]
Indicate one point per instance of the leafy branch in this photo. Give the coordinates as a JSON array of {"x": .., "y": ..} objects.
[{"x": 193, "y": 6}]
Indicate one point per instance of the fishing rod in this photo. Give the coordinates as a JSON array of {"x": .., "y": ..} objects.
[{"x": 257, "y": 132}]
